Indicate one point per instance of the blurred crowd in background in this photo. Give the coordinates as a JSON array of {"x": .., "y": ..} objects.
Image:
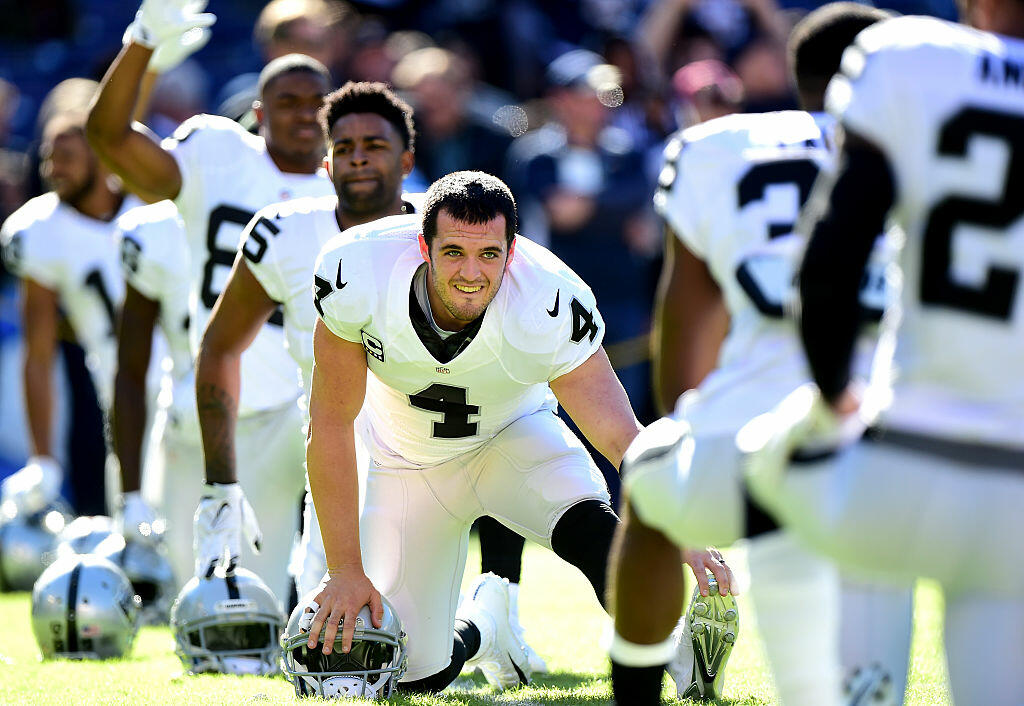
[{"x": 569, "y": 101}]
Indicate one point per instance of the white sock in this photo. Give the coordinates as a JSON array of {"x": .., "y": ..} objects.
[
  {"x": 513, "y": 603},
  {"x": 796, "y": 598}
]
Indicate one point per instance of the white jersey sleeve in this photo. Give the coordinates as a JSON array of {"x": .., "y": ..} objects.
[
  {"x": 552, "y": 315},
  {"x": 30, "y": 251},
  {"x": 673, "y": 200},
  {"x": 151, "y": 258},
  {"x": 268, "y": 259},
  {"x": 345, "y": 303}
]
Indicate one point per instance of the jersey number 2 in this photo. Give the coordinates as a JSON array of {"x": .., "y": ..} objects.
[
  {"x": 449, "y": 401},
  {"x": 993, "y": 297}
]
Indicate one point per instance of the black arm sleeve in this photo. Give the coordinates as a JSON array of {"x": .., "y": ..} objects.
[{"x": 847, "y": 224}]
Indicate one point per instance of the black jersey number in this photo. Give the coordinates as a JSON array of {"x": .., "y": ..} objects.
[
  {"x": 995, "y": 296},
  {"x": 449, "y": 401},
  {"x": 94, "y": 281},
  {"x": 224, "y": 257},
  {"x": 759, "y": 277}
]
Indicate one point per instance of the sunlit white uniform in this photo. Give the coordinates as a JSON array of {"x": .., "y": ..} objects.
[
  {"x": 75, "y": 256},
  {"x": 51, "y": 243},
  {"x": 227, "y": 175},
  {"x": 938, "y": 491},
  {"x": 732, "y": 190},
  {"x": 155, "y": 262},
  {"x": 280, "y": 245},
  {"x": 451, "y": 441}
]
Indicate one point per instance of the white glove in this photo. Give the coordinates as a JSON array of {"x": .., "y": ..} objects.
[
  {"x": 173, "y": 51},
  {"x": 159, "y": 21},
  {"x": 221, "y": 518},
  {"x": 34, "y": 487},
  {"x": 137, "y": 521}
]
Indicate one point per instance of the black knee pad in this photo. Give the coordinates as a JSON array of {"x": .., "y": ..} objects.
[
  {"x": 583, "y": 537},
  {"x": 501, "y": 549}
]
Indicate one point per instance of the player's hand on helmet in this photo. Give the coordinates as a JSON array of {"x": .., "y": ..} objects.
[
  {"x": 222, "y": 518},
  {"x": 159, "y": 21},
  {"x": 340, "y": 599},
  {"x": 136, "y": 521},
  {"x": 35, "y": 487},
  {"x": 701, "y": 561}
]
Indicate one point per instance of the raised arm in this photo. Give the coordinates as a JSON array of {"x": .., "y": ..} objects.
[
  {"x": 690, "y": 323},
  {"x": 338, "y": 390},
  {"x": 597, "y": 403},
  {"x": 239, "y": 314},
  {"x": 174, "y": 28},
  {"x": 126, "y": 148}
]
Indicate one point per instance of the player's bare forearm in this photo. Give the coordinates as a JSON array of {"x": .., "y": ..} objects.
[
  {"x": 645, "y": 611},
  {"x": 217, "y": 385},
  {"x": 39, "y": 317},
  {"x": 127, "y": 150},
  {"x": 241, "y": 311},
  {"x": 691, "y": 322},
  {"x": 128, "y": 417},
  {"x": 336, "y": 396},
  {"x": 38, "y": 382},
  {"x": 596, "y": 401}
]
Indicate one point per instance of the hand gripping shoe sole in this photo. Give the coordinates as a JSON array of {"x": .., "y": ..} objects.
[
  {"x": 705, "y": 638},
  {"x": 501, "y": 657}
]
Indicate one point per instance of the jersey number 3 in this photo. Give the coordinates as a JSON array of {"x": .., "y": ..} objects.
[{"x": 449, "y": 401}]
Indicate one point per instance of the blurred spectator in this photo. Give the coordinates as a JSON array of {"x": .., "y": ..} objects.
[
  {"x": 765, "y": 76},
  {"x": 321, "y": 29},
  {"x": 582, "y": 189},
  {"x": 449, "y": 135},
  {"x": 177, "y": 96},
  {"x": 13, "y": 159},
  {"x": 706, "y": 89},
  {"x": 676, "y": 32}
]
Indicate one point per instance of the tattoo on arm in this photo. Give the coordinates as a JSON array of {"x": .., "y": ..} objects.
[{"x": 218, "y": 411}]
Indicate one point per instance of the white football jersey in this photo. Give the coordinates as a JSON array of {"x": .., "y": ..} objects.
[
  {"x": 732, "y": 190},
  {"x": 280, "y": 246},
  {"x": 155, "y": 261},
  {"x": 542, "y": 324},
  {"x": 945, "y": 104},
  {"x": 227, "y": 176},
  {"x": 51, "y": 243}
]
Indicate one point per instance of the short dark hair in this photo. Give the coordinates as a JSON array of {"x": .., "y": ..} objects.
[
  {"x": 369, "y": 97},
  {"x": 817, "y": 42},
  {"x": 290, "y": 63},
  {"x": 470, "y": 197}
]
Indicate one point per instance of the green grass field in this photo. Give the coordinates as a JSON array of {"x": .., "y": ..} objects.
[{"x": 562, "y": 619}]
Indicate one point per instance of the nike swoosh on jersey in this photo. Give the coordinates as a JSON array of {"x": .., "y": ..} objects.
[
  {"x": 341, "y": 285},
  {"x": 553, "y": 311}
]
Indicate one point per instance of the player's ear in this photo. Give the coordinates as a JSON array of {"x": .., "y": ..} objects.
[
  {"x": 408, "y": 162},
  {"x": 329, "y": 161},
  {"x": 511, "y": 252},
  {"x": 424, "y": 249},
  {"x": 257, "y": 109}
]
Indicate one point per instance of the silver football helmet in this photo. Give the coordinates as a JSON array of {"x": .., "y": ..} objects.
[
  {"x": 371, "y": 669},
  {"x": 228, "y": 624},
  {"x": 27, "y": 546},
  {"x": 150, "y": 572},
  {"x": 84, "y": 534},
  {"x": 83, "y": 607}
]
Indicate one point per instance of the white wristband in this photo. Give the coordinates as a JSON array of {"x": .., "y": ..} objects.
[{"x": 630, "y": 654}]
